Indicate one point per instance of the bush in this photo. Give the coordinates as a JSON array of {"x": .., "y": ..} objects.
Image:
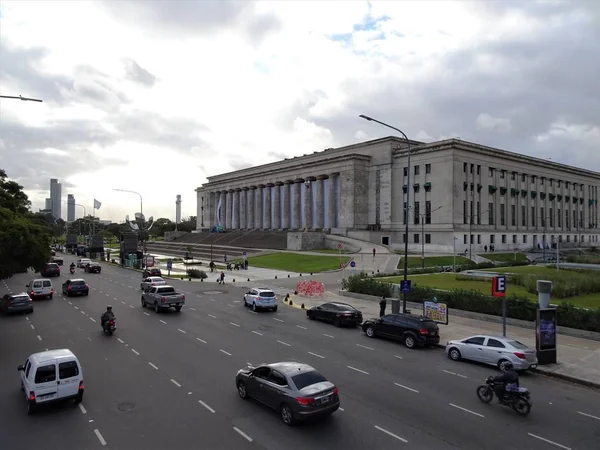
[
  {"x": 196, "y": 273},
  {"x": 566, "y": 283},
  {"x": 583, "y": 259},
  {"x": 361, "y": 284}
]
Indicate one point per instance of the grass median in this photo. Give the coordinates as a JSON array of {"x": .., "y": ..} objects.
[
  {"x": 505, "y": 257},
  {"x": 415, "y": 262},
  {"x": 297, "y": 262}
]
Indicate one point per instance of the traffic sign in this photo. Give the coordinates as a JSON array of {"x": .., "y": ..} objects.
[
  {"x": 352, "y": 264},
  {"x": 405, "y": 286},
  {"x": 169, "y": 264},
  {"x": 244, "y": 253},
  {"x": 499, "y": 286},
  {"x": 339, "y": 246}
]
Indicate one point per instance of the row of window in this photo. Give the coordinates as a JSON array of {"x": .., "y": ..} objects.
[
  {"x": 504, "y": 238},
  {"x": 417, "y": 213},
  {"x": 417, "y": 169}
]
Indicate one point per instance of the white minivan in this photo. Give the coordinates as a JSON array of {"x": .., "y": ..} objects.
[
  {"x": 40, "y": 288},
  {"x": 51, "y": 376}
]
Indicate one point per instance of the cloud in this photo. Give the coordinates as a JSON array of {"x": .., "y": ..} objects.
[
  {"x": 138, "y": 74},
  {"x": 489, "y": 123}
]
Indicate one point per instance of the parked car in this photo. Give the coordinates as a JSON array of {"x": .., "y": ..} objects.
[
  {"x": 51, "y": 376},
  {"x": 58, "y": 260},
  {"x": 493, "y": 350},
  {"x": 93, "y": 267},
  {"x": 261, "y": 298},
  {"x": 151, "y": 272},
  {"x": 147, "y": 283},
  {"x": 414, "y": 331},
  {"x": 50, "y": 270},
  {"x": 297, "y": 391},
  {"x": 162, "y": 298},
  {"x": 40, "y": 288},
  {"x": 12, "y": 303},
  {"x": 337, "y": 313},
  {"x": 82, "y": 262},
  {"x": 75, "y": 287}
]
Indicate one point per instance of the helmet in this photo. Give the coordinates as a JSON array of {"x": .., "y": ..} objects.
[
  {"x": 508, "y": 366},
  {"x": 109, "y": 308}
]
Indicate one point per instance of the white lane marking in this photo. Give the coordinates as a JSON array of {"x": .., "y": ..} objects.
[
  {"x": 82, "y": 409},
  {"x": 223, "y": 351},
  {"x": 121, "y": 285},
  {"x": 300, "y": 326},
  {"x": 406, "y": 387},
  {"x": 198, "y": 295},
  {"x": 237, "y": 301},
  {"x": 101, "y": 292},
  {"x": 548, "y": 441},
  {"x": 358, "y": 370},
  {"x": 234, "y": 324},
  {"x": 244, "y": 435},
  {"x": 127, "y": 286},
  {"x": 70, "y": 303},
  {"x": 89, "y": 339},
  {"x": 146, "y": 313},
  {"x": 76, "y": 307},
  {"x": 389, "y": 433},
  {"x": 364, "y": 346},
  {"x": 284, "y": 343},
  {"x": 210, "y": 315},
  {"x": 212, "y": 300},
  {"x": 588, "y": 415},
  {"x": 315, "y": 354},
  {"x": 466, "y": 410},
  {"x": 253, "y": 312},
  {"x": 92, "y": 319},
  {"x": 278, "y": 320},
  {"x": 454, "y": 373},
  {"x": 329, "y": 336},
  {"x": 342, "y": 409},
  {"x": 181, "y": 331},
  {"x": 26, "y": 318},
  {"x": 162, "y": 321},
  {"x": 99, "y": 436},
  {"x": 115, "y": 299},
  {"x": 201, "y": 340},
  {"x": 131, "y": 306},
  {"x": 229, "y": 304},
  {"x": 95, "y": 289},
  {"x": 122, "y": 302},
  {"x": 256, "y": 332},
  {"x": 206, "y": 406},
  {"x": 175, "y": 382},
  {"x": 39, "y": 337},
  {"x": 107, "y": 295},
  {"x": 135, "y": 351},
  {"x": 193, "y": 309},
  {"x": 82, "y": 312},
  {"x": 32, "y": 327},
  {"x": 121, "y": 340},
  {"x": 153, "y": 366}
]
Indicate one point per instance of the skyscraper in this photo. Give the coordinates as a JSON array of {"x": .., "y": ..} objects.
[
  {"x": 48, "y": 204},
  {"x": 70, "y": 208},
  {"x": 56, "y": 198}
]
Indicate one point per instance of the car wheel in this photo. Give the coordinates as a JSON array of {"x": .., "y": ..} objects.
[
  {"x": 22, "y": 387},
  {"x": 337, "y": 322},
  {"x": 254, "y": 307},
  {"x": 287, "y": 415},
  {"x": 50, "y": 297},
  {"x": 410, "y": 341},
  {"x": 310, "y": 316},
  {"x": 502, "y": 364},
  {"x": 178, "y": 308},
  {"x": 156, "y": 308},
  {"x": 79, "y": 398},
  {"x": 87, "y": 293},
  {"x": 242, "y": 390},
  {"x": 245, "y": 303},
  {"x": 30, "y": 408},
  {"x": 275, "y": 309},
  {"x": 143, "y": 303},
  {"x": 370, "y": 332},
  {"x": 454, "y": 354}
]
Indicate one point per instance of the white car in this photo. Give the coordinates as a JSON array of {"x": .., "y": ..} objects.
[
  {"x": 148, "y": 282},
  {"x": 50, "y": 376},
  {"x": 40, "y": 288},
  {"x": 83, "y": 262},
  {"x": 493, "y": 350},
  {"x": 261, "y": 298}
]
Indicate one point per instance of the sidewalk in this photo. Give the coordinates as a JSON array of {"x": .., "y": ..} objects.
[{"x": 579, "y": 358}]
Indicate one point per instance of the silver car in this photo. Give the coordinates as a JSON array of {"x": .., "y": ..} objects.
[
  {"x": 493, "y": 350},
  {"x": 149, "y": 282},
  {"x": 294, "y": 389}
]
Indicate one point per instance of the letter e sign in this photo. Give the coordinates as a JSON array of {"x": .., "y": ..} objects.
[{"x": 499, "y": 286}]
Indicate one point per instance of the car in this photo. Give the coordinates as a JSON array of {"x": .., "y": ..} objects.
[
  {"x": 82, "y": 262},
  {"x": 260, "y": 298},
  {"x": 493, "y": 350},
  {"x": 76, "y": 286},
  {"x": 147, "y": 283},
  {"x": 51, "y": 376},
  {"x": 413, "y": 331},
  {"x": 151, "y": 272},
  {"x": 12, "y": 303},
  {"x": 40, "y": 288},
  {"x": 337, "y": 313},
  {"x": 50, "y": 270},
  {"x": 58, "y": 260},
  {"x": 296, "y": 390},
  {"x": 93, "y": 267}
]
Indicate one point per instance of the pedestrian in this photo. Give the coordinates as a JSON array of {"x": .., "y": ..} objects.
[
  {"x": 225, "y": 258},
  {"x": 374, "y": 251},
  {"x": 222, "y": 278},
  {"x": 382, "y": 305},
  {"x": 485, "y": 248}
]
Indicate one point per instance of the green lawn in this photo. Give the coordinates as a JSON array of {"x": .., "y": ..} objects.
[
  {"x": 415, "y": 262},
  {"x": 540, "y": 270},
  {"x": 297, "y": 262},
  {"x": 504, "y": 256}
]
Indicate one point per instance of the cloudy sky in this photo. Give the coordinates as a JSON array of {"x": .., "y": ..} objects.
[{"x": 153, "y": 96}]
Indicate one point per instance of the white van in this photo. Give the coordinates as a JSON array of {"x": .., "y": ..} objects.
[
  {"x": 40, "y": 288},
  {"x": 50, "y": 376}
]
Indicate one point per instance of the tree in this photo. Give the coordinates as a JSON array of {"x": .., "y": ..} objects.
[
  {"x": 12, "y": 196},
  {"x": 187, "y": 224}
]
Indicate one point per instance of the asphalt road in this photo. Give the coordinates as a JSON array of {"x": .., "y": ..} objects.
[{"x": 167, "y": 381}]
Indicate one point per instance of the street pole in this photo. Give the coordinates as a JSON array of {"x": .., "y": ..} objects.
[
  {"x": 395, "y": 304},
  {"x": 25, "y": 99},
  {"x": 422, "y": 243},
  {"x": 470, "y": 225},
  {"x": 454, "y": 254}
]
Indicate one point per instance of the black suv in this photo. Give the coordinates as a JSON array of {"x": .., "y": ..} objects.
[
  {"x": 414, "y": 331},
  {"x": 51, "y": 270},
  {"x": 152, "y": 272}
]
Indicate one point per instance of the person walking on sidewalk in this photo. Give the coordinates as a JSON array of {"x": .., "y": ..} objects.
[
  {"x": 382, "y": 305},
  {"x": 374, "y": 251},
  {"x": 222, "y": 278}
]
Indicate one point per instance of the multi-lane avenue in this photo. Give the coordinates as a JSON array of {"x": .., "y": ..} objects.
[{"x": 166, "y": 381}]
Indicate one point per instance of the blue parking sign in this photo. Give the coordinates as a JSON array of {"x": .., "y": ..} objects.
[
  {"x": 405, "y": 286},
  {"x": 352, "y": 264},
  {"x": 169, "y": 264}
]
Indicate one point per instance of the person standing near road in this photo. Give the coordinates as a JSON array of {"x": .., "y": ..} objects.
[
  {"x": 382, "y": 305},
  {"x": 222, "y": 278},
  {"x": 374, "y": 251}
]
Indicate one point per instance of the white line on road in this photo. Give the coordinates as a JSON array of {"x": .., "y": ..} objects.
[
  {"x": 198, "y": 295},
  {"x": 466, "y": 410},
  {"x": 146, "y": 313},
  {"x": 588, "y": 415},
  {"x": 82, "y": 312},
  {"x": 256, "y": 332},
  {"x": 95, "y": 289},
  {"x": 81, "y": 408},
  {"x": 389, "y": 433},
  {"x": 548, "y": 441},
  {"x": 454, "y": 373},
  {"x": 284, "y": 343},
  {"x": 153, "y": 366},
  {"x": 107, "y": 295},
  {"x": 223, "y": 351},
  {"x": 329, "y": 336},
  {"x": 39, "y": 337},
  {"x": 342, "y": 409},
  {"x": 121, "y": 340},
  {"x": 122, "y": 302},
  {"x": 70, "y": 303},
  {"x": 315, "y": 354},
  {"x": 300, "y": 326},
  {"x": 89, "y": 339},
  {"x": 26, "y": 318},
  {"x": 76, "y": 307},
  {"x": 253, "y": 312},
  {"x": 115, "y": 299},
  {"x": 121, "y": 285},
  {"x": 127, "y": 286},
  {"x": 135, "y": 351},
  {"x": 92, "y": 319},
  {"x": 212, "y": 300},
  {"x": 364, "y": 346},
  {"x": 131, "y": 306},
  {"x": 358, "y": 370},
  {"x": 175, "y": 382},
  {"x": 181, "y": 331},
  {"x": 278, "y": 320},
  {"x": 101, "y": 292},
  {"x": 244, "y": 435},
  {"x": 162, "y": 321},
  {"x": 193, "y": 309},
  {"x": 201, "y": 340},
  {"x": 406, "y": 387},
  {"x": 210, "y": 315},
  {"x": 229, "y": 304},
  {"x": 99, "y": 436},
  {"x": 206, "y": 406},
  {"x": 234, "y": 324},
  {"x": 32, "y": 327}
]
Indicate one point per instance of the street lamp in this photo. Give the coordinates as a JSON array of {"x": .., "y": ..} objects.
[
  {"x": 20, "y": 97},
  {"x": 141, "y": 214},
  {"x": 395, "y": 304},
  {"x": 422, "y": 219}
]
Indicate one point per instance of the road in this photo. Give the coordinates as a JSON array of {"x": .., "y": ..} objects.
[{"x": 167, "y": 381}]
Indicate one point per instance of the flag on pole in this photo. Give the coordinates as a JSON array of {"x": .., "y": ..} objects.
[{"x": 97, "y": 204}]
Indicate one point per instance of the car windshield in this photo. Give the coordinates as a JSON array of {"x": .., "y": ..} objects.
[
  {"x": 267, "y": 294},
  {"x": 307, "y": 379},
  {"x": 517, "y": 344},
  {"x": 78, "y": 283},
  {"x": 21, "y": 298},
  {"x": 168, "y": 290},
  {"x": 344, "y": 307},
  {"x": 429, "y": 324},
  {"x": 51, "y": 266}
]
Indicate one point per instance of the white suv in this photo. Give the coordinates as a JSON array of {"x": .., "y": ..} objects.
[{"x": 261, "y": 298}]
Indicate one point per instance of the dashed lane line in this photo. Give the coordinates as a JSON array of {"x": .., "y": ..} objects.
[
  {"x": 153, "y": 366},
  {"x": 81, "y": 408},
  {"x": 99, "y": 436},
  {"x": 223, "y": 351},
  {"x": 206, "y": 406},
  {"x": 162, "y": 321},
  {"x": 256, "y": 332},
  {"x": 358, "y": 370},
  {"x": 244, "y": 435},
  {"x": 317, "y": 355},
  {"x": 181, "y": 331},
  {"x": 175, "y": 383},
  {"x": 135, "y": 351},
  {"x": 201, "y": 340},
  {"x": 389, "y": 433},
  {"x": 466, "y": 410},
  {"x": 548, "y": 441},
  {"x": 588, "y": 415},
  {"x": 284, "y": 343},
  {"x": 406, "y": 387},
  {"x": 39, "y": 337}
]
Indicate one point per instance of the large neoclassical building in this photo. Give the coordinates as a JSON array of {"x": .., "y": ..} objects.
[{"x": 458, "y": 193}]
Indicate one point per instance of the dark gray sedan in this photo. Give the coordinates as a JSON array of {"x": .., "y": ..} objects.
[{"x": 294, "y": 389}]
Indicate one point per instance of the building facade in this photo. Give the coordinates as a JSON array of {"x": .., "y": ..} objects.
[
  {"x": 461, "y": 196},
  {"x": 56, "y": 198},
  {"x": 70, "y": 208},
  {"x": 48, "y": 204}
]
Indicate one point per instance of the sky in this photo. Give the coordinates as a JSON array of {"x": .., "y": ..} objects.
[{"x": 154, "y": 96}]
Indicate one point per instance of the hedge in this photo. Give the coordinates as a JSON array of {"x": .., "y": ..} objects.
[
  {"x": 565, "y": 284},
  {"x": 196, "y": 273}
]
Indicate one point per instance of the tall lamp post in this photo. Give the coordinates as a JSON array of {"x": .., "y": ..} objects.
[
  {"x": 395, "y": 304},
  {"x": 141, "y": 214},
  {"x": 20, "y": 97},
  {"x": 422, "y": 219}
]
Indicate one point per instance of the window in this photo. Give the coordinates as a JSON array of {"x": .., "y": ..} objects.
[
  {"x": 518, "y": 345},
  {"x": 27, "y": 369},
  {"x": 568, "y": 238},
  {"x": 542, "y": 181},
  {"x": 47, "y": 283},
  {"x": 523, "y": 216},
  {"x": 479, "y": 239},
  {"x": 464, "y": 238},
  {"x": 559, "y": 218},
  {"x": 308, "y": 379},
  {"x": 523, "y": 177},
  {"x": 475, "y": 341},
  {"x": 478, "y": 170},
  {"x": 491, "y": 171},
  {"x": 567, "y": 222},
  {"x": 492, "y": 239},
  {"x": 533, "y": 216},
  {"x": 416, "y": 238},
  {"x": 490, "y": 214},
  {"x": 478, "y": 213},
  {"x": 277, "y": 378},
  {"x": 504, "y": 239},
  {"x": 567, "y": 184},
  {"x": 428, "y": 212},
  {"x": 464, "y": 211},
  {"x": 513, "y": 176},
  {"x": 471, "y": 169},
  {"x": 575, "y": 238},
  {"x": 551, "y": 218},
  {"x": 471, "y": 213},
  {"x": 472, "y": 239},
  {"x": 542, "y": 217},
  {"x": 405, "y": 171},
  {"x": 416, "y": 213},
  {"x": 514, "y": 240},
  {"x": 524, "y": 239},
  {"x": 465, "y": 167},
  {"x": 428, "y": 239},
  {"x": 427, "y": 168},
  {"x": 403, "y": 238},
  {"x": 267, "y": 294},
  {"x": 494, "y": 343},
  {"x": 45, "y": 374},
  {"x": 533, "y": 178},
  {"x": 404, "y": 215},
  {"x": 68, "y": 370},
  {"x": 502, "y": 214},
  {"x": 262, "y": 372},
  {"x": 513, "y": 215},
  {"x": 559, "y": 183},
  {"x": 416, "y": 170},
  {"x": 502, "y": 174}
]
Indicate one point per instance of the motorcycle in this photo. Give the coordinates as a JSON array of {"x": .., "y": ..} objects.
[
  {"x": 72, "y": 270},
  {"x": 109, "y": 327},
  {"x": 517, "y": 398}
]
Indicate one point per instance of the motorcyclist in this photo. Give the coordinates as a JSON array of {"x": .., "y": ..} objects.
[
  {"x": 510, "y": 376},
  {"x": 72, "y": 265},
  {"x": 108, "y": 315}
]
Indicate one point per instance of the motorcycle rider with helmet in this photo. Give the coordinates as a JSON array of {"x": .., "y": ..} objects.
[
  {"x": 510, "y": 376},
  {"x": 107, "y": 315}
]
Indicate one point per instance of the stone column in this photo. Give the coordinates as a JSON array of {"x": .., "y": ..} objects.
[
  {"x": 221, "y": 211},
  {"x": 235, "y": 215},
  {"x": 276, "y": 225},
  {"x": 243, "y": 207},
  {"x": 308, "y": 204},
  {"x": 267, "y": 207},
  {"x": 297, "y": 213},
  {"x": 250, "y": 205},
  {"x": 211, "y": 214},
  {"x": 285, "y": 223},
  {"x": 258, "y": 209},
  {"x": 332, "y": 200},
  {"x": 320, "y": 204},
  {"x": 228, "y": 209}
]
